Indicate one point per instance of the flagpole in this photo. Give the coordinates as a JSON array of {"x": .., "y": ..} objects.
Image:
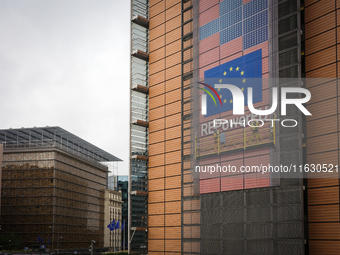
[{"x": 124, "y": 237}]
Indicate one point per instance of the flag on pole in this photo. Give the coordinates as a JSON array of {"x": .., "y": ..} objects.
[
  {"x": 111, "y": 226},
  {"x": 49, "y": 240},
  {"x": 40, "y": 239},
  {"x": 117, "y": 225},
  {"x": 123, "y": 224}
]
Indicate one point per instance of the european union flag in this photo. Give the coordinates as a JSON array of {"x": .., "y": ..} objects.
[
  {"x": 117, "y": 225},
  {"x": 49, "y": 240},
  {"x": 123, "y": 225},
  {"x": 243, "y": 72},
  {"x": 111, "y": 226},
  {"x": 40, "y": 239}
]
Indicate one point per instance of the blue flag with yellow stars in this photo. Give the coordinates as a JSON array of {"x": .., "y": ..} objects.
[{"x": 243, "y": 72}]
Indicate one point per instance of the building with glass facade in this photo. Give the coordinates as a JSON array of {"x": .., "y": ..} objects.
[
  {"x": 184, "y": 54},
  {"x": 53, "y": 187}
]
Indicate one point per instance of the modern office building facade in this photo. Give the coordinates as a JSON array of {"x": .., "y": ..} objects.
[
  {"x": 178, "y": 50},
  {"x": 123, "y": 187},
  {"x": 53, "y": 187}
]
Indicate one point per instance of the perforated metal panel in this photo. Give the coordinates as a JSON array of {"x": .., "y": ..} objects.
[{"x": 255, "y": 221}]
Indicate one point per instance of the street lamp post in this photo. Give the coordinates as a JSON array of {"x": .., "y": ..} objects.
[{"x": 58, "y": 237}]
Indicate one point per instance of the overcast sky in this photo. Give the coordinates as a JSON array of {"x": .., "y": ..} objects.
[{"x": 66, "y": 63}]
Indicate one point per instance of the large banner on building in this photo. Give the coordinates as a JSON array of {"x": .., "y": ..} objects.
[{"x": 233, "y": 50}]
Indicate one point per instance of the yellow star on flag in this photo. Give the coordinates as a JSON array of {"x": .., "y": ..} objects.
[
  {"x": 220, "y": 96},
  {"x": 218, "y": 89},
  {"x": 225, "y": 73},
  {"x": 237, "y": 68},
  {"x": 244, "y": 80},
  {"x": 231, "y": 101},
  {"x": 242, "y": 89},
  {"x": 242, "y": 73},
  {"x": 230, "y": 68},
  {"x": 220, "y": 80},
  {"x": 225, "y": 100}
]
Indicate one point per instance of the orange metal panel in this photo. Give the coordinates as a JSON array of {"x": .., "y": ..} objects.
[
  {"x": 322, "y": 143},
  {"x": 157, "y": 32},
  {"x": 155, "y": 233},
  {"x": 173, "y": 219},
  {"x": 172, "y": 72},
  {"x": 330, "y": 157},
  {"x": 324, "y": 230},
  {"x": 319, "y": 213},
  {"x": 170, "y": 3},
  {"x": 173, "y": 108},
  {"x": 156, "y": 90},
  {"x": 172, "y": 207},
  {"x": 172, "y": 157},
  {"x": 173, "y": 47},
  {"x": 173, "y": 245},
  {"x": 172, "y": 195},
  {"x": 155, "y": 196},
  {"x": 321, "y": 126},
  {"x": 173, "y": 35},
  {"x": 156, "y": 245},
  {"x": 156, "y": 184},
  {"x": 317, "y": 247},
  {"x": 157, "y": 43},
  {"x": 321, "y": 182},
  {"x": 174, "y": 169},
  {"x": 156, "y": 78},
  {"x": 329, "y": 195},
  {"x": 324, "y": 72},
  {"x": 323, "y": 92},
  {"x": 157, "y": 20},
  {"x": 173, "y": 11},
  {"x": 156, "y": 55},
  {"x": 173, "y": 233},
  {"x": 321, "y": 58},
  {"x": 320, "y": 25},
  {"x": 157, "y": 160},
  {"x": 173, "y": 145},
  {"x": 156, "y": 148},
  {"x": 173, "y": 23},
  {"x": 156, "y": 172},
  {"x": 171, "y": 133},
  {"x": 173, "y": 96},
  {"x": 157, "y": 101},
  {"x": 173, "y": 120},
  {"x": 172, "y": 60},
  {"x": 322, "y": 109},
  {"x": 318, "y": 9},
  {"x": 320, "y": 42},
  {"x": 172, "y": 182},
  {"x": 156, "y": 113},
  {"x": 154, "y": 10},
  {"x": 156, "y": 125},
  {"x": 153, "y": 2},
  {"x": 172, "y": 84},
  {"x": 156, "y": 220},
  {"x": 309, "y": 2}
]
